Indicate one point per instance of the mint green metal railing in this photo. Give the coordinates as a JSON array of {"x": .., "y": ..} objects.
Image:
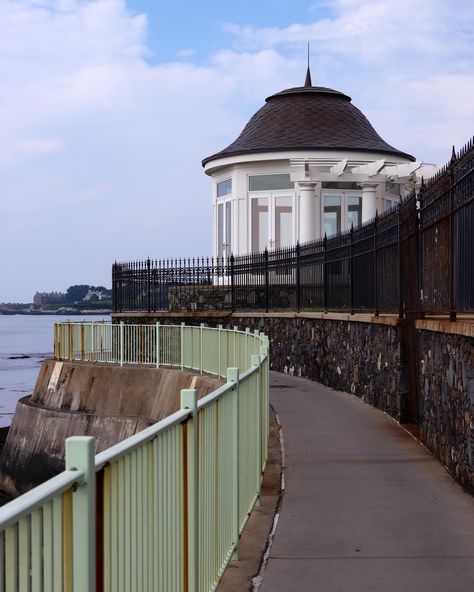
[
  {"x": 210, "y": 350},
  {"x": 166, "y": 507}
]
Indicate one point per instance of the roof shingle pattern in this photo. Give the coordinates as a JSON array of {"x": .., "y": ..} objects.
[{"x": 308, "y": 118}]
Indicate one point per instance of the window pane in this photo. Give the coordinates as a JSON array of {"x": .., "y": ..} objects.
[
  {"x": 228, "y": 227},
  {"x": 259, "y": 224},
  {"x": 332, "y": 200},
  {"x": 332, "y": 214},
  {"x": 283, "y": 222},
  {"x": 224, "y": 187},
  {"x": 220, "y": 229},
  {"x": 339, "y": 185},
  {"x": 354, "y": 201},
  {"x": 354, "y": 211},
  {"x": 270, "y": 182},
  {"x": 332, "y": 222}
]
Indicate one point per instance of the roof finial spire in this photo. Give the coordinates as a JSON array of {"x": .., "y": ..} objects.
[{"x": 307, "y": 81}]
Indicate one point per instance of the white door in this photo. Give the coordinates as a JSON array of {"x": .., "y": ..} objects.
[{"x": 271, "y": 221}]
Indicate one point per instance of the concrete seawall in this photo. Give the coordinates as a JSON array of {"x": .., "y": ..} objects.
[{"x": 75, "y": 399}]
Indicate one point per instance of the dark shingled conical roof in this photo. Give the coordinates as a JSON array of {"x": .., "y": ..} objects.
[{"x": 308, "y": 118}]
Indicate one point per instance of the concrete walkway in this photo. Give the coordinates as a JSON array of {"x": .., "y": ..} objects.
[{"x": 366, "y": 508}]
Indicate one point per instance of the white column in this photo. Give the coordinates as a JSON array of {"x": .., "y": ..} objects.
[
  {"x": 369, "y": 201},
  {"x": 307, "y": 211}
]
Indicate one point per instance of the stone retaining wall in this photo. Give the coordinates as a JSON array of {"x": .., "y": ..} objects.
[
  {"x": 365, "y": 356},
  {"x": 447, "y": 401}
]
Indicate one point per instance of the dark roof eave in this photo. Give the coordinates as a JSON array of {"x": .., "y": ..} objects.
[{"x": 219, "y": 155}]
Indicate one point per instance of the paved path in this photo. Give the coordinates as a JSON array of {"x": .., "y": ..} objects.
[{"x": 366, "y": 508}]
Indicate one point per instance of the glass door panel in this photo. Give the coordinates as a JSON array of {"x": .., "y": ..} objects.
[
  {"x": 271, "y": 222},
  {"x": 354, "y": 211},
  {"x": 283, "y": 222},
  {"x": 260, "y": 219},
  {"x": 224, "y": 229},
  {"x": 332, "y": 215}
]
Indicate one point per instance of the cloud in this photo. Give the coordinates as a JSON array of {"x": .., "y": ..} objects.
[
  {"x": 186, "y": 53},
  {"x": 100, "y": 151}
]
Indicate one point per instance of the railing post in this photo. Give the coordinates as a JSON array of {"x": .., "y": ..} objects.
[
  {"x": 80, "y": 452},
  {"x": 325, "y": 286},
  {"x": 191, "y": 490},
  {"x": 219, "y": 336},
  {"x": 121, "y": 342},
  {"x": 400, "y": 265},
  {"x": 232, "y": 283},
  {"x": 201, "y": 328},
  {"x": 157, "y": 348},
  {"x": 82, "y": 340},
  {"x": 182, "y": 344},
  {"x": 452, "y": 261},
  {"x": 148, "y": 284},
  {"x": 233, "y": 377},
  {"x": 70, "y": 341},
  {"x": 55, "y": 333},
  {"x": 255, "y": 361},
  {"x": 92, "y": 342},
  {"x": 375, "y": 263},
  {"x": 235, "y": 344},
  {"x": 265, "y": 256},
  {"x": 298, "y": 280},
  {"x": 351, "y": 268}
]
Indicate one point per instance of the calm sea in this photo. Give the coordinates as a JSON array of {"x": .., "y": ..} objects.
[{"x": 20, "y": 336}]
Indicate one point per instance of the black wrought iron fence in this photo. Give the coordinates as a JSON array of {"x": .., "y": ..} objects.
[{"x": 417, "y": 257}]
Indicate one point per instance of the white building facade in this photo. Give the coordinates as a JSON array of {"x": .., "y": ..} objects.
[{"x": 307, "y": 164}]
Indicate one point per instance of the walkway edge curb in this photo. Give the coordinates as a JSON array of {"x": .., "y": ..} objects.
[{"x": 257, "y": 580}]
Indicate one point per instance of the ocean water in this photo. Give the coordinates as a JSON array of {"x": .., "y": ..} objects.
[{"x": 24, "y": 342}]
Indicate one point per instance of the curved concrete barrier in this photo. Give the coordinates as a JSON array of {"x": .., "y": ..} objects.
[{"x": 108, "y": 402}]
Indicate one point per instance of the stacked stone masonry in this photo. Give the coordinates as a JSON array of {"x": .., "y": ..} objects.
[
  {"x": 367, "y": 358},
  {"x": 447, "y": 400}
]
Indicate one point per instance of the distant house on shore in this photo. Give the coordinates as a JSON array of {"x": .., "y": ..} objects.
[
  {"x": 48, "y": 298},
  {"x": 308, "y": 163}
]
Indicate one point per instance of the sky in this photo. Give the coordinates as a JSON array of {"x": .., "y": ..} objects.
[{"x": 107, "y": 108}]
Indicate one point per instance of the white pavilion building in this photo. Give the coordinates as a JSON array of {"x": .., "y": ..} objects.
[{"x": 308, "y": 163}]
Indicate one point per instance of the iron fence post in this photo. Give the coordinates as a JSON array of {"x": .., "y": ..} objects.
[
  {"x": 351, "y": 269},
  {"x": 232, "y": 283},
  {"x": 298, "y": 279},
  {"x": 375, "y": 263},
  {"x": 148, "y": 282},
  {"x": 325, "y": 288},
  {"x": 400, "y": 266},
  {"x": 266, "y": 278},
  {"x": 452, "y": 259}
]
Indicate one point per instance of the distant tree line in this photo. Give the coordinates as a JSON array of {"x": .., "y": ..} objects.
[{"x": 79, "y": 292}]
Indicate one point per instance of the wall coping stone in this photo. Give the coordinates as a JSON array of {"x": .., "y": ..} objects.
[
  {"x": 460, "y": 327},
  {"x": 390, "y": 320}
]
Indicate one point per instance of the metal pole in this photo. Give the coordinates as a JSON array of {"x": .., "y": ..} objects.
[
  {"x": 375, "y": 263},
  {"x": 325, "y": 287},
  {"x": 298, "y": 286},
  {"x": 452, "y": 260},
  {"x": 232, "y": 283},
  {"x": 351, "y": 268},
  {"x": 80, "y": 451},
  {"x": 121, "y": 337},
  {"x": 191, "y": 492},
  {"x": 157, "y": 348},
  {"x": 400, "y": 266},
  {"x": 265, "y": 255},
  {"x": 233, "y": 377}
]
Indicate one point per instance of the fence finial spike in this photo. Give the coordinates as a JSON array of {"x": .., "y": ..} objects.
[{"x": 453, "y": 153}]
